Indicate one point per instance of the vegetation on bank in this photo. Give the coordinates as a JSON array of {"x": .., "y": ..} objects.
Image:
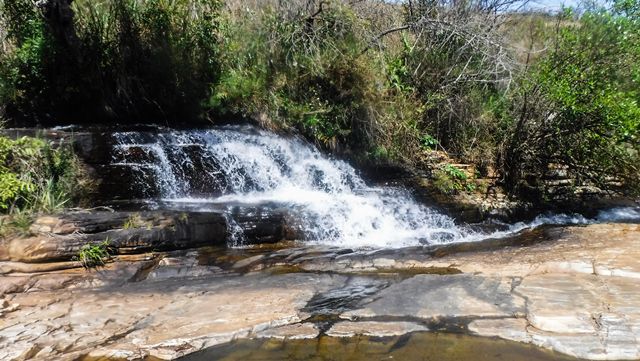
[
  {"x": 94, "y": 255},
  {"x": 108, "y": 61},
  {"x": 35, "y": 177},
  {"x": 516, "y": 95}
]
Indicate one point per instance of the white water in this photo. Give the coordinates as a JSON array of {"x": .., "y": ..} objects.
[{"x": 328, "y": 200}]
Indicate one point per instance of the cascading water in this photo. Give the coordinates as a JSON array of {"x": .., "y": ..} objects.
[{"x": 327, "y": 199}]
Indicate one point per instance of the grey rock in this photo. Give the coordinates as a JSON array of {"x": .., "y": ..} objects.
[{"x": 444, "y": 296}]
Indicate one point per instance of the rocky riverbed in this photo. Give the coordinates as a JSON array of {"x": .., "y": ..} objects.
[{"x": 574, "y": 290}]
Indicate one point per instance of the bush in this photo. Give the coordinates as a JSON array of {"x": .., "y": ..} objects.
[
  {"x": 300, "y": 72},
  {"x": 457, "y": 61},
  {"x": 151, "y": 60},
  {"x": 304, "y": 66},
  {"x": 94, "y": 255},
  {"x": 35, "y": 176},
  {"x": 579, "y": 106},
  {"x": 450, "y": 179}
]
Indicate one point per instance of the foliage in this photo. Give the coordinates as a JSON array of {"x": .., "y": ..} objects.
[
  {"x": 390, "y": 81},
  {"x": 94, "y": 255},
  {"x": 149, "y": 60},
  {"x": 579, "y": 106},
  {"x": 457, "y": 60},
  {"x": 20, "y": 223},
  {"x": 429, "y": 142},
  {"x": 450, "y": 179},
  {"x": 135, "y": 221},
  {"x": 36, "y": 176},
  {"x": 299, "y": 71}
]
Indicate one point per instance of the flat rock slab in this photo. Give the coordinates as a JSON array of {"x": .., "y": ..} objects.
[
  {"x": 160, "y": 319},
  {"x": 577, "y": 294},
  {"x": 295, "y": 331},
  {"x": 445, "y": 296},
  {"x": 373, "y": 328}
]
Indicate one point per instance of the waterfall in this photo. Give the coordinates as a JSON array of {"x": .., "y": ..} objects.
[{"x": 326, "y": 198}]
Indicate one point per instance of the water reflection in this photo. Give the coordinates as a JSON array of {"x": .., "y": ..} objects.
[{"x": 419, "y": 346}]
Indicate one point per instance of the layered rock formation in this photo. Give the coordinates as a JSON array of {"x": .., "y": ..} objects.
[{"x": 574, "y": 290}]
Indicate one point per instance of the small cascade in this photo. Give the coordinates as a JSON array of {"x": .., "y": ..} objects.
[
  {"x": 328, "y": 201},
  {"x": 236, "y": 236}
]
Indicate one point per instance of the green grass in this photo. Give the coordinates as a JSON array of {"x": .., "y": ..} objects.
[
  {"x": 94, "y": 255},
  {"x": 133, "y": 221},
  {"x": 20, "y": 222},
  {"x": 37, "y": 176}
]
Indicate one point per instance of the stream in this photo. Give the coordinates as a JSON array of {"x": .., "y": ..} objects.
[
  {"x": 329, "y": 203},
  {"x": 356, "y": 250}
]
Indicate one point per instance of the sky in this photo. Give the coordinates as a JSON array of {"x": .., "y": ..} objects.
[
  {"x": 551, "y": 5},
  {"x": 555, "y": 5}
]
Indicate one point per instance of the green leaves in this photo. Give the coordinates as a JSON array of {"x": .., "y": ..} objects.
[
  {"x": 35, "y": 176},
  {"x": 428, "y": 142},
  {"x": 94, "y": 255},
  {"x": 580, "y": 108},
  {"x": 10, "y": 189}
]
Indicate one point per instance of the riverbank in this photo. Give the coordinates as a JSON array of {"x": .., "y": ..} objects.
[
  {"x": 115, "y": 174},
  {"x": 571, "y": 289}
]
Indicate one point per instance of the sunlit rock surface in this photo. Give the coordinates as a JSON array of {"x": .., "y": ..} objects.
[{"x": 574, "y": 290}]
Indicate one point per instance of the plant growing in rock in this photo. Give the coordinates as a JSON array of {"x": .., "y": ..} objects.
[
  {"x": 20, "y": 223},
  {"x": 450, "y": 179},
  {"x": 134, "y": 221},
  {"x": 94, "y": 255}
]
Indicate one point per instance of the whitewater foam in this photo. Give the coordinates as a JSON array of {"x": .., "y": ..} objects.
[{"x": 330, "y": 203}]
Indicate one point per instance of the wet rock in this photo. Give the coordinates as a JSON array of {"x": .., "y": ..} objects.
[
  {"x": 372, "y": 328},
  {"x": 60, "y": 238},
  {"x": 291, "y": 332},
  {"x": 121, "y": 182},
  {"x": 548, "y": 294},
  {"x": 248, "y": 261},
  {"x": 508, "y": 328}
]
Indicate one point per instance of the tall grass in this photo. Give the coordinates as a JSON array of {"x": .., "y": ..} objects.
[
  {"x": 133, "y": 60},
  {"x": 36, "y": 177}
]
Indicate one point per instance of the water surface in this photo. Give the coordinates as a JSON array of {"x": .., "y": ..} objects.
[{"x": 419, "y": 346}]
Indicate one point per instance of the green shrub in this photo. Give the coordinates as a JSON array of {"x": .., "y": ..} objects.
[
  {"x": 94, "y": 255},
  {"x": 450, "y": 179},
  {"x": 301, "y": 73},
  {"x": 35, "y": 176},
  {"x": 580, "y": 106},
  {"x": 151, "y": 60}
]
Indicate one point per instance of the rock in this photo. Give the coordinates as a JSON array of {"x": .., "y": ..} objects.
[
  {"x": 161, "y": 319},
  {"x": 372, "y": 328},
  {"x": 434, "y": 297},
  {"x": 546, "y": 293},
  {"x": 569, "y": 304},
  {"x": 60, "y": 238},
  {"x": 508, "y": 328},
  {"x": 248, "y": 261},
  {"x": 291, "y": 332}
]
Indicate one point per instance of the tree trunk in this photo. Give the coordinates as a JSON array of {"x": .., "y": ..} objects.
[{"x": 59, "y": 16}]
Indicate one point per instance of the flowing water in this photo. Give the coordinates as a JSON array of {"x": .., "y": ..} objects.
[{"x": 329, "y": 202}]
